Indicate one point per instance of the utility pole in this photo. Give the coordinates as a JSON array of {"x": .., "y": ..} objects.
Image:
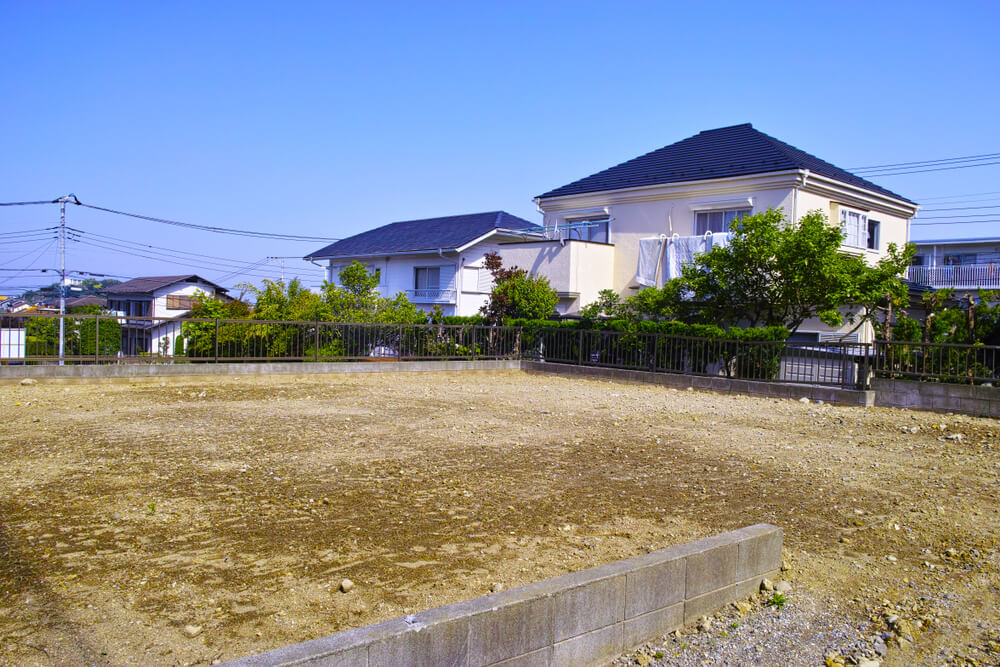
[
  {"x": 281, "y": 261},
  {"x": 62, "y": 272}
]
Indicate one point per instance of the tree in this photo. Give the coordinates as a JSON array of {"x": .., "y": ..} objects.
[
  {"x": 200, "y": 335},
  {"x": 357, "y": 299},
  {"x": 516, "y": 294},
  {"x": 774, "y": 272}
]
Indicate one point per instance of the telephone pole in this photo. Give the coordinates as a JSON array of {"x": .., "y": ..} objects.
[{"x": 62, "y": 272}]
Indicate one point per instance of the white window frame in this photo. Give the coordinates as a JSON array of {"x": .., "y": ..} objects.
[
  {"x": 736, "y": 213},
  {"x": 854, "y": 224},
  {"x": 427, "y": 269},
  {"x": 874, "y": 235}
]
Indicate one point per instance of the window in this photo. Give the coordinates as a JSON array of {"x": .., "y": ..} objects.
[
  {"x": 854, "y": 224},
  {"x": 959, "y": 259},
  {"x": 179, "y": 302},
  {"x": 427, "y": 277},
  {"x": 917, "y": 260},
  {"x": 873, "y": 229},
  {"x": 586, "y": 229},
  {"x": 717, "y": 222}
]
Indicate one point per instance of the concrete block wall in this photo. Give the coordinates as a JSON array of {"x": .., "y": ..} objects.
[
  {"x": 582, "y": 618},
  {"x": 157, "y": 371},
  {"x": 976, "y": 400},
  {"x": 712, "y": 383}
]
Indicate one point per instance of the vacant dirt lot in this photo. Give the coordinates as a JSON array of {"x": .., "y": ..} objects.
[{"x": 129, "y": 512}]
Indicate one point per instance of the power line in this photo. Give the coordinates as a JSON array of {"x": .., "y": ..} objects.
[
  {"x": 209, "y": 228},
  {"x": 951, "y": 217},
  {"x": 961, "y": 208},
  {"x": 955, "y": 222},
  {"x": 138, "y": 245},
  {"x": 25, "y": 203},
  {"x": 28, "y": 231},
  {"x": 967, "y": 194},
  {"x": 205, "y": 265},
  {"x": 169, "y": 260},
  {"x": 921, "y": 171},
  {"x": 922, "y": 163},
  {"x": 31, "y": 263}
]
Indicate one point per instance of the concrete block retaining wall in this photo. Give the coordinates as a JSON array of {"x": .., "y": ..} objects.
[
  {"x": 963, "y": 398},
  {"x": 583, "y": 618},
  {"x": 136, "y": 371},
  {"x": 712, "y": 383}
]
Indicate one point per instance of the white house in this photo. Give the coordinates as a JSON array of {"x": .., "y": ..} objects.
[
  {"x": 149, "y": 305},
  {"x": 436, "y": 261},
  {"x": 963, "y": 264},
  {"x": 641, "y": 219}
]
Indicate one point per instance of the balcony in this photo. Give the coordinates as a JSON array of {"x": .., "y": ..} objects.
[
  {"x": 576, "y": 269},
  {"x": 959, "y": 276},
  {"x": 432, "y": 295}
]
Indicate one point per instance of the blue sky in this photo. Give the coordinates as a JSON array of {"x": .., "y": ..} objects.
[{"x": 326, "y": 119}]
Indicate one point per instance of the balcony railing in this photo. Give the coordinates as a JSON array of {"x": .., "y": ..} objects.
[
  {"x": 432, "y": 295},
  {"x": 960, "y": 276}
]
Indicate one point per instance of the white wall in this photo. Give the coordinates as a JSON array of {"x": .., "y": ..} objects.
[
  {"x": 180, "y": 289},
  {"x": 573, "y": 267},
  {"x": 12, "y": 343},
  {"x": 164, "y": 337},
  {"x": 457, "y": 271},
  {"x": 632, "y": 221}
]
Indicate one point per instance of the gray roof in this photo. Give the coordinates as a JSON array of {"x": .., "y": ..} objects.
[
  {"x": 739, "y": 150},
  {"x": 430, "y": 234},
  {"x": 149, "y": 284},
  {"x": 969, "y": 241}
]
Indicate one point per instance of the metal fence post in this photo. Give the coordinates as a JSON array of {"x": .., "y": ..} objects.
[
  {"x": 97, "y": 339},
  {"x": 580, "y": 347},
  {"x": 316, "y": 344},
  {"x": 216, "y": 340}
]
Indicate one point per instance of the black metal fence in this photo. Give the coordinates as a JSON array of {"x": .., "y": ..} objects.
[
  {"x": 937, "y": 362},
  {"x": 107, "y": 339}
]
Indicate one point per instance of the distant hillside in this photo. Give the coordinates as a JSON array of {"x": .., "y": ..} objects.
[{"x": 89, "y": 287}]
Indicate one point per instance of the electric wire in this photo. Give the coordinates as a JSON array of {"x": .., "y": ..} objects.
[
  {"x": 923, "y": 163},
  {"x": 31, "y": 263},
  {"x": 28, "y": 231},
  {"x": 227, "y": 265},
  {"x": 923, "y": 171},
  {"x": 210, "y": 228},
  {"x": 180, "y": 261},
  {"x": 144, "y": 246},
  {"x": 25, "y": 203},
  {"x": 955, "y": 222}
]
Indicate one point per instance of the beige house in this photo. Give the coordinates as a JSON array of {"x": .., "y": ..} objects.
[{"x": 635, "y": 224}]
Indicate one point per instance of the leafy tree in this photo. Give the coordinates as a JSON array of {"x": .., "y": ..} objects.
[
  {"x": 516, "y": 294},
  {"x": 357, "y": 299},
  {"x": 199, "y": 336},
  {"x": 103, "y": 333},
  {"x": 775, "y": 273}
]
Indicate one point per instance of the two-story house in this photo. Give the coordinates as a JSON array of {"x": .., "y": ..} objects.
[
  {"x": 966, "y": 265},
  {"x": 435, "y": 261},
  {"x": 150, "y": 305},
  {"x": 649, "y": 215}
]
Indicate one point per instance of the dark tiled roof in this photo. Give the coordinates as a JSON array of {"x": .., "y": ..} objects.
[
  {"x": 739, "y": 150},
  {"x": 149, "y": 284},
  {"x": 90, "y": 300},
  {"x": 417, "y": 235}
]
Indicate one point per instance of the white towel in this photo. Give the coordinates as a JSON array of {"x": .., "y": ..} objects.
[
  {"x": 681, "y": 251},
  {"x": 720, "y": 240},
  {"x": 649, "y": 257}
]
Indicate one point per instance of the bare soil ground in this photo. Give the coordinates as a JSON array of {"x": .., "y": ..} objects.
[{"x": 237, "y": 505}]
